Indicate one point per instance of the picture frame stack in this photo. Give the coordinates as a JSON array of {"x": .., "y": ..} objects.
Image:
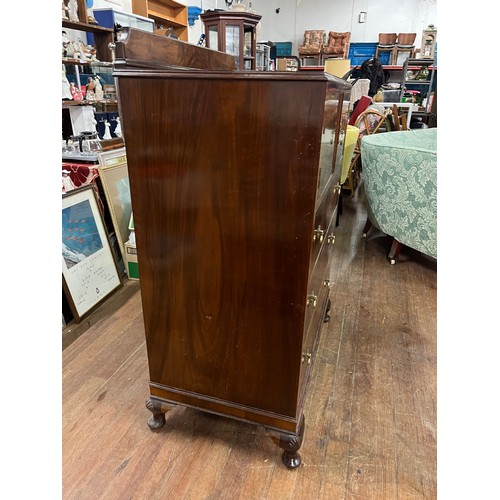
[{"x": 89, "y": 271}]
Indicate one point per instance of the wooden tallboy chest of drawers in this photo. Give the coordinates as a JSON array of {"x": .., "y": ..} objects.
[{"x": 234, "y": 183}]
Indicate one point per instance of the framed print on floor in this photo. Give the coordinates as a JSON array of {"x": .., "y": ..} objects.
[
  {"x": 89, "y": 270},
  {"x": 114, "y": 178}
]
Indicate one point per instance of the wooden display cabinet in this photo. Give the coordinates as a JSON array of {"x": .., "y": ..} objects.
[
  {"x": 101, "y": 39},
  {"x": 234, "y": 33},
  {"x": 166, "y": 13},
  {"x": 102, "y": 36},
  {"x": 235, "y": 188}
]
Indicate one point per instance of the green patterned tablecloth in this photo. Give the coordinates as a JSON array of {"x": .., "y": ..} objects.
[{"x": 400, "y": 179}]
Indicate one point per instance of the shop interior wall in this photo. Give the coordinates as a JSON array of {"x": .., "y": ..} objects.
[
  {"x": 296, "y": 16},
  {"x": 382, "y": 16}
]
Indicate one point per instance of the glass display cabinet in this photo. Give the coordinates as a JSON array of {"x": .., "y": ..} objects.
[
  {"x": 263, "y": 57},
  {"x": 234, "y": 33},
  {"x": 110, "y": 17}
]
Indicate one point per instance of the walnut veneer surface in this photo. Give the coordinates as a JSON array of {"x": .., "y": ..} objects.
[{"x": 234, "y": 184}]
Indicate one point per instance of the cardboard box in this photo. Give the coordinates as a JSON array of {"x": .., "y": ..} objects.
[
  {"x": 132, "y": 265},
  {"x": 280, "y": 64}
]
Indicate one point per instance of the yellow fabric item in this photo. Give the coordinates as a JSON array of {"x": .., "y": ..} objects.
[{"x": 351, "y": 137}]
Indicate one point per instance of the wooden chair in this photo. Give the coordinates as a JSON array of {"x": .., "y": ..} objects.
[
  {"x": 314, "y": 41},
  {"x": 337, "y": 46},
  {"x": 405, "y": 43},
  {"x": 369, "y": 122},
  {"x": 399, "y": 120},
  {"x": 386, "y": 43}
]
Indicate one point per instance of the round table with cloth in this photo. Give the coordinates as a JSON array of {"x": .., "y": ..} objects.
[{"x": 400, "y": 182}]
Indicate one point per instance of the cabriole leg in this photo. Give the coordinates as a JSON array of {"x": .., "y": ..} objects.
[
  {"x": 290, "y": 443},
  {"x": 158, "y": 409}
]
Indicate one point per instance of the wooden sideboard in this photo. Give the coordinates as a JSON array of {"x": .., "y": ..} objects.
[{"x": 234, "y": 180}]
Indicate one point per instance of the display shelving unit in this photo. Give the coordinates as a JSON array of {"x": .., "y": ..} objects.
[{"x": 166, "y": 14}]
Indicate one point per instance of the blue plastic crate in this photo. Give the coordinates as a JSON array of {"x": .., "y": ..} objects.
[
  {"x": 283, "y": 48},
  {"x": 361, "y": 51},
  {"x": 385, "y": 57}
]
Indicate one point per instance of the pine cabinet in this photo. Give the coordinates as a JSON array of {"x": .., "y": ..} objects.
[
  {"x": 235, "y": 188},
  {"x": 165, "y": 13}
]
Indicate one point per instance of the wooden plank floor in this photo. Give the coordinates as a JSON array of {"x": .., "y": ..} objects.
[{"x": 370, "y": 410}]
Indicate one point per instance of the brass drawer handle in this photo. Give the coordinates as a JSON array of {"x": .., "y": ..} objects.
[
  {"x": 327, "y": 283},
  {"x": 312, "y": 300},
  {"x": 307, "y": 356},
  {"x": 318, "y": 234},
  {"x": 331, "y": 239}
]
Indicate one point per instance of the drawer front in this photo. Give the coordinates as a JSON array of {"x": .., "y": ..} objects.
[
  {"x": 322, "y": 220},
  {"x": 318, "y": 293},
  {"x": 310, "y": 335},
  {"x": 316, "y": 284}
]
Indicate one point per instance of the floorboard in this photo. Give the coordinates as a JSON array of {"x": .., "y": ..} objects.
[{"x": 370, "y": 409}]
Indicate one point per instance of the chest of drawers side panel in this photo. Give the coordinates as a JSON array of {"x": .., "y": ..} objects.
[{"x": 223, "y": 178}]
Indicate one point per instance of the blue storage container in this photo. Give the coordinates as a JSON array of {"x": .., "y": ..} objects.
[
  {"x": 385, "y": 57},
  {"x": 361, "y": 51},
  {"x": 283, "y": 48},
  {"x": 279, "y": 49}
]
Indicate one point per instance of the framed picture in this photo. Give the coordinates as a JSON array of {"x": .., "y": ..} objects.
[
  {"x": 113, "y": 173},
  {"x": 89, "y": 270}
]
